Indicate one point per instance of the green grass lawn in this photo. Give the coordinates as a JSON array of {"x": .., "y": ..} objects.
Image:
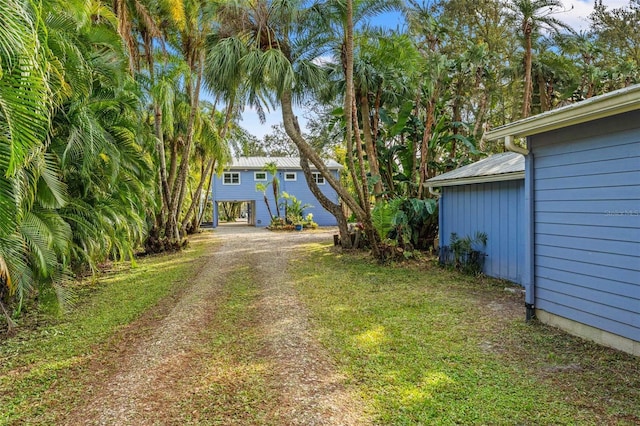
[
  {"x": 421, "y": 344},
  {"x": 41, "y": 368},
  {"x": 425, "y": 345}
]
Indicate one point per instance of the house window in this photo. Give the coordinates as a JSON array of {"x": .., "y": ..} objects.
[
  {"x": 290, "y": 176},
  {"x": 260, "y": 176},
  {"x": 318, "y": 178},
  {"x": 231, "y": 178}
]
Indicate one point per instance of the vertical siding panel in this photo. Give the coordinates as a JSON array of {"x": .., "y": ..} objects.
[
  {"x": 520, "y": 247},
  {"x": 481, "y": 215},
  {"x": 495, "y": 209},
  {"x": 515, "y": 235}
]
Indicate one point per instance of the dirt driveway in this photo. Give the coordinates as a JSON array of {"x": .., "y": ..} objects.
[{"x": 145, "y": 376}]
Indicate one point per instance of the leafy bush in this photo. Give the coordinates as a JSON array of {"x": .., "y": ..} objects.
[
  {"x": 294, "y": 209},
  {"x": 465, "y": 254},
  {"x": 308, "y": 222},
  {"x": 410, "y": 223}
]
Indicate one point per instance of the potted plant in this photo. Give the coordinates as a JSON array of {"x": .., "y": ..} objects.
[{"x": 294, "y": 209}]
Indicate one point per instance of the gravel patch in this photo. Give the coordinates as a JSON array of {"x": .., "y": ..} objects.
[{"x": 152, "y": 372}]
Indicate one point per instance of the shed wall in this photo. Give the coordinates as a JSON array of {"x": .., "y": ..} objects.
[
  {"x": 495, "y": 208},
  {"x": 587, "y": 223}
]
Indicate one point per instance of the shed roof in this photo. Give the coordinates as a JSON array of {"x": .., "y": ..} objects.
[
  {"x": 612, "y": 103},
  {"x": 498, "y": 167},
  {"x": 289, "y": 163}
]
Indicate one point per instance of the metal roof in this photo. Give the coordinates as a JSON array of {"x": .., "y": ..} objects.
[
  {"x": 498, "y": 167},
  {"x": 606, "y": 105},
  {"x": 289, "y": 163}
]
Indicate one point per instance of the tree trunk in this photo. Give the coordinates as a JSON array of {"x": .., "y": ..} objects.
[
  {"x": 164, "y": 183},
  {"x": 195, "y": 201},
  {"x": 275, "y": 186},
  {"x": 222, "y": 133},
  {"x": 173, "y": 167},
  {"x": 478, "y": 126},
  {"x": 292, "y": 129},
  {"x": 369, "y": 141},
  {"x": 351, "y": 115},
  {"x": 372, "y": 235},
  {"x": 330, "y": 206},
  {"x": 266, "y": 201},
  {"x": 528, "y": 84},
  {"x": 457, "y": 118},
  {"x": 350, "y": 159},
  {"x": 424, "y": 147},
  {"x": 181, "y": 181},
  {"x": 542, "y": 88}
]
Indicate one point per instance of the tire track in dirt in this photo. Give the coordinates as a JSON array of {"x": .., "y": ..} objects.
[
  {"x": 149, "y": 370},
  {"x": 312, "y": 392},
  {"x": 155, "y": 371}
]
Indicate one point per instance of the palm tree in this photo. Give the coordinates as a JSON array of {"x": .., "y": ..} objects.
[
  {"x": 267, "y": 49},
  {"x": 28, "y": 183},
  {"x": 332, "y": 31},
  {"x": 272, "y": 169},
  {"x": 80, "y": 196},
  {"x": 262, "y": 187},
  {"x": 531, "y": 17},
  {"x": 25, "y": 92},
  {"x": 192, "y": 21},
  {"x": 212, "y": 153}
]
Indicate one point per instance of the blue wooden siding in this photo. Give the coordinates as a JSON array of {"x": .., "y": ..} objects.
[
  {"x": 495, "y": 208},
  {"x": 246, "y": 191},
  {"x": 587, "y": 223}
]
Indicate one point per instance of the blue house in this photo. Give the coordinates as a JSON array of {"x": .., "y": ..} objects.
[
  {"x": 581, "y": 263},
  {"x": 238, "y": 184},
  {"x": 486, "y": 196}
]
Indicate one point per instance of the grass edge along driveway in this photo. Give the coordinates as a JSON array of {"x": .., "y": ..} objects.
[
  {"x": 424, "y": 345},
  {"x": 420, "y": 344},
  {"x": 42, "y": 368}
]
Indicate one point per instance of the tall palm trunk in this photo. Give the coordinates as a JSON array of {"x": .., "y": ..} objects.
[
  {"x": 528, "y": 84},
  {"x": 370, "y": 146},
  {"x": 195, "y": 199},
  {"x": 351, "y": 116},
  {"x": 181, "y": 182},
  {"x": 288, "y": 119},
  {"x": 424, "y": 147}
]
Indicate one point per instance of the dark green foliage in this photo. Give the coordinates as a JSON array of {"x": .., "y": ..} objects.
[
  {"x": 293, "y": 208},
  {"x": 410, "y": 223},
  {"x": 465, "y": 254}
]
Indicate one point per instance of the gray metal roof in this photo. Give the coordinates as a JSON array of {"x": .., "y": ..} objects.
[
  {"x": 289, "y": 163},
  {"x": 505, "y": 166},
  {"x": 602, "y": 106}
]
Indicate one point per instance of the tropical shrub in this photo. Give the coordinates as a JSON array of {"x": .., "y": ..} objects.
[
  {"x": 410, "y": 223},
  {"x": 294, "y": 208},
  {"x": 308, "y": 222},
  {"x": 466, "y": 254}
]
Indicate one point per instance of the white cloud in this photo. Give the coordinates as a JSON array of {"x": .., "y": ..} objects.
[
  {"x": 251, "y": 122},
  {"x": 577, "y": 17}
]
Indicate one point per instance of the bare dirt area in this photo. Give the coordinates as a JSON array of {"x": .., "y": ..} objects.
[{"x": 158, "y": 362}]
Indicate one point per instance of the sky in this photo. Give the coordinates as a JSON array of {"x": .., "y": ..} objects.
[{"x": 576, "y": 17}]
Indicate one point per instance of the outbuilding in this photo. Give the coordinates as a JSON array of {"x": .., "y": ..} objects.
[
  {"x": 581, "y": 263},
  {"x": 487, "y": 197}
]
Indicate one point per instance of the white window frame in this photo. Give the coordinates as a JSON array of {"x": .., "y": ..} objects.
[
  {"x": 318, "y": 178},
  {"x": 257, "y": 179},
  {"x": 288, "y": 179},
  {"x": 230, "y": 174}
]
